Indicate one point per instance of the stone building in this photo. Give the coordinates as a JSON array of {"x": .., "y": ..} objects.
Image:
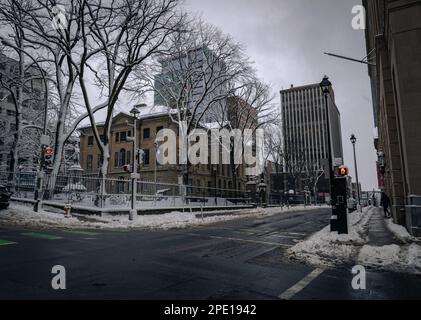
[
  {"x": 152, "y": 120},
  {"x": 393, "y": 38}
]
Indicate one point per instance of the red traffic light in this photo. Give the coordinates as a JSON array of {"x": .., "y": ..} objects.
[{"x": 49, "y": 151}]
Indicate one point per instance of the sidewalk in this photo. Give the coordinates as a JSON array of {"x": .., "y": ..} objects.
[{"x": 378, "y": 233}]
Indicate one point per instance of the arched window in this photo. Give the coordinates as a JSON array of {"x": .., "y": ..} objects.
[{"x": 122, "y": 157}]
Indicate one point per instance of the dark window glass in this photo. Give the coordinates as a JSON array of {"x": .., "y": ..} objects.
[
  {"x": 116, "y": 160},
  {"x": 122, "y": 156},
  {"x": 117, "y": 136},
  {"x": 90, "y": 140},
  {"x": 146, "y": 157},
  {"x": 146, "y": 133},
  {"x": 123, "y": 136},
  {"x": 89, "y": 162},
  {"x": 159, "y": 128}
]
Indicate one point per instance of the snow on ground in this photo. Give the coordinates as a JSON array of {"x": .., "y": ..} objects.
[
  {"x": 325, "y": 248},
  {"x": 406, "y": 258},
  {"x": 24, "y": 216},
  {"x": 399, "y": 231}
]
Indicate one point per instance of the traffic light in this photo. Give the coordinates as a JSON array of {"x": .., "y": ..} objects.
[
  {"x": 342, "y": 171},
  {"x": 48, "y": 159}
]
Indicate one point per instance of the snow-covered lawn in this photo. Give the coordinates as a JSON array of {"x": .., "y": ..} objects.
[
  {"x": 325, "y": 248},
  {"x": 24, "y": 216}
]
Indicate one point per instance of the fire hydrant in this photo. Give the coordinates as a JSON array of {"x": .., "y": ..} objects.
[{"x": 67, "y": 210}]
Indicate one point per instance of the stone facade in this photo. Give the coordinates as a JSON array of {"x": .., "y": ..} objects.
[
  {"x": 394, "y": 34},
  {"x": 203, "y": 175}
]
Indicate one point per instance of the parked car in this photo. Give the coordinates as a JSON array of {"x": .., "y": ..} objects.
[{"x": 4, "y": 197}]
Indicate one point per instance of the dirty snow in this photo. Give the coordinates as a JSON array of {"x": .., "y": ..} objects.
[
  {"x": 393, "y": 257},
  {"x": 325, "y": 248},
  {"x": 399, "y": 231},
  {"x": 24, "y": 216}
]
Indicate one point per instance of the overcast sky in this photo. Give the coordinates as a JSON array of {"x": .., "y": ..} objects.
[{"x": 286, "y": 40}]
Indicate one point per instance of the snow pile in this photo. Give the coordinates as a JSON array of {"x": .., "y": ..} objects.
[
  {"x": 24, "y": 216},
  {"x": 392, "y": 257},
  {"x": 399, "y": 231},
  {"x": 325, "y": 248}
]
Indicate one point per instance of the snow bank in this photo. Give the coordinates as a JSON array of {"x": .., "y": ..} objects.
[
  {"x": 399, "y": 231},
  {"x": 24, "y": 216},
  {"x": 392, "y": 258},
  {"x": 325, "y": 248}
]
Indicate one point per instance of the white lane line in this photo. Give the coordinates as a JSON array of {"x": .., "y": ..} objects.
[
  {"x": 241, "y": 240},
  {"x": 300, "y": 285}
]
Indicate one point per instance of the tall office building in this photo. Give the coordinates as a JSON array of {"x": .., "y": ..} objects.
[{"x": 305, "y": 131}]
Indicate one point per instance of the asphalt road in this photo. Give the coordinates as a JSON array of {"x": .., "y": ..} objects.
[{"x": 242, "y": 259}]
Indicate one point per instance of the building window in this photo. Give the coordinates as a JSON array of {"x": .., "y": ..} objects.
[
  {"x": 128, "y": 157},
  {"x": 100, "y": 161},
  {"x": 89, "y": 162},
  {"x": 159, "y": 128},
  {"x": 90, "y": 140},
  {"x": 116, "y": 160},
  {"x": 146, "y": 157},
  {"x": 122, "y": 158},
  {"x": 146, "y": 133},
  {"x": 123, "y": 136}
]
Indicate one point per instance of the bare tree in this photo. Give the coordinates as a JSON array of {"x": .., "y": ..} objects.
[
  {"x": 248, "y": 107},
  {"x": 195, "y": 76},
  {"x": 22, "y": 79},
  {"x": 117, "y": 39}
]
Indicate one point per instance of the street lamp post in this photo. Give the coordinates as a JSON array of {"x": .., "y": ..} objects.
[
  {"x": 134, "y": 175},
  {"x": 325, "y": 86},
  {"x": 353, "y": 141}
]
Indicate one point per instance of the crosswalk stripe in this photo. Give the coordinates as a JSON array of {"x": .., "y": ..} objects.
[
  {"x": 40, "y": 235},
  {"x": 6, "y": 242},
  {"x": 300, "y": 285}
]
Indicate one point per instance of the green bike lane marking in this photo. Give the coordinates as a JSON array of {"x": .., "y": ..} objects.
[
  {"x": 40, "y": 235},
  {"x": 6, "y": 242},
  {"x": 82, "y": 232}
]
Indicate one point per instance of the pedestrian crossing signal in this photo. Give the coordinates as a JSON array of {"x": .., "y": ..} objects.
[{"x": 343, "y": 171}]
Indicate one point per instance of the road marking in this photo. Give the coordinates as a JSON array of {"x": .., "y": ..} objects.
[
  {"x": 40, "y": 235},
  {"x": 6, "y": 242},
  {"x": 281, "y": 236},
  {"x": 85, "y": 233},
  {"x": 242, "y": 240},
  {"x": 300, "y": 285}
]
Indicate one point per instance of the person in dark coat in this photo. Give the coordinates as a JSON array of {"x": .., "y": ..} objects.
[{"x": 385, "y": 203}]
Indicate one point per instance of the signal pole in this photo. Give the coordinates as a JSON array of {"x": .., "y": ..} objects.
[{"x": 134, "y": 175}]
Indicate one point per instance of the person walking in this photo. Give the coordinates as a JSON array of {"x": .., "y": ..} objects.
[{"x": 385, "y": 202}]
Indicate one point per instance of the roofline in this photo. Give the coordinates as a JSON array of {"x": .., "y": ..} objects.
[
  {"x": 101, "y": 124},
  {"x": 307, "y": 86}
]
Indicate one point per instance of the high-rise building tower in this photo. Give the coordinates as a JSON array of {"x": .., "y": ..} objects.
[{"x": 305, "y": 131}]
